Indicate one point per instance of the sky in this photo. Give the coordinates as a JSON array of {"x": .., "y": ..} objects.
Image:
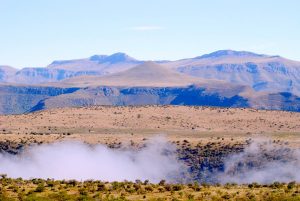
[{"x": 33, "y": 33}]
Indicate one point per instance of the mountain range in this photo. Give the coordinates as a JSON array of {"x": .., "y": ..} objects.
[{"x": 224, "y": 78}]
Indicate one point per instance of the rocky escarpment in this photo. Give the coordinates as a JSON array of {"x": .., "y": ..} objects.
[
  {"x": 21, "y": 99},
  {"x": 190, "y": 95},
  {"x": 41, "y": 75}
]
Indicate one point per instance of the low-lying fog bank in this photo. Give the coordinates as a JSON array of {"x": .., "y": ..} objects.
[
  {"x": 262, "y": 161},
  {"x": 75, "y": 160}
]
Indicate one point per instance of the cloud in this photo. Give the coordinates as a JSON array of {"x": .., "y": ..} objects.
[
  {"x": 262, "y": 162},
  {"x": 147, "y": 28},
  {"x": 76, "y": 160}
]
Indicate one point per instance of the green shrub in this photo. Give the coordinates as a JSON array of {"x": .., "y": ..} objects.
[{"x": 40, "y": 188}]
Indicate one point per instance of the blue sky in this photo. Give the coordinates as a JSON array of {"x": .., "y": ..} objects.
[{"x": 36, "y": 32}]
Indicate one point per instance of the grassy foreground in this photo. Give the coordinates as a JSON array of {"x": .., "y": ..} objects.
[{"x": 38, "y": 189}]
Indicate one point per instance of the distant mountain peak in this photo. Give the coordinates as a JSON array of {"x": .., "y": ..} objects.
[
  {"x": 120, "y": 54},
  {"x": 147, "y": 73},
  {"x": 119, "y": 57},
  {"x": 61, "y": 62},
  {"x": 97, "y": 57},
  {"x": 146, "y": 67},
  {"x": 114, "y": 58},
  {"x": 222, "y": 53}
]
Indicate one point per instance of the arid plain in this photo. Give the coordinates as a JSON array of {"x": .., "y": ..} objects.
[{"x": 106, "y": 124}]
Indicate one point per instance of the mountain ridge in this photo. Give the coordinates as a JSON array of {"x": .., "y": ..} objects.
[
  {"x": 146, "y": 83},
  {"x": 221, "y": 53},
  {"x": 263, "y": 73}
]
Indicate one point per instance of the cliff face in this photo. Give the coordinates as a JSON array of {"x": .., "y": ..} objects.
[
  {"x": 6, "y": 73},
  {"x": 261, "y": 72},
  {"x": 42, "y": 75},
  {"x": 269, "y": 76},
  {"x": 141, "y": 96},
  {"x": 22, "y": 99}
]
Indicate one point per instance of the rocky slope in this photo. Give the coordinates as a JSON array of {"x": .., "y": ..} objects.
[
  {"x": 6, "y": 73},
  {"x": 60, "y": 70},
  {"x": 261, "y": 72},
  {"x": 17, "y": 99}
]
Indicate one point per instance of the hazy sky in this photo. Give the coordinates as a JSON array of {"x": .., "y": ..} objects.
[{"x": 36, "y": 32}]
